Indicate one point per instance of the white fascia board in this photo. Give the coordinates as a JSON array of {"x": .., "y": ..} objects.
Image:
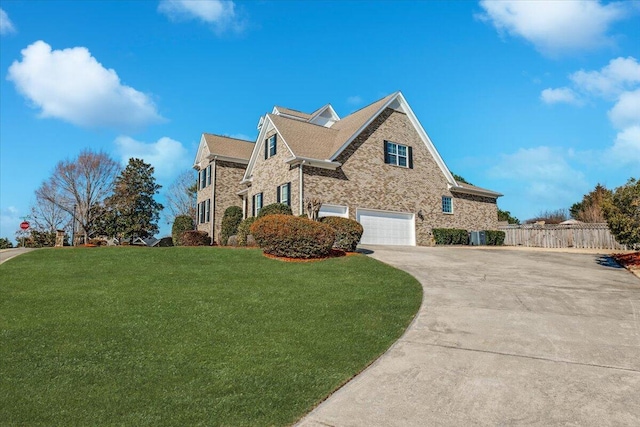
[
  {"x": 363, "y": 127},
  {"x": 333, "y": 113},
  {"x": 475, "y": 191},
  {"x": 241, "y": 192},
  {"x": 198, "y": 160},
  {"x": 317, "y": 163},
  {"x": 227, "y": 159},
  {"x": 427, "y": 141}
]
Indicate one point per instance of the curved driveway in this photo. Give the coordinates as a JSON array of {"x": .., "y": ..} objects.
[{"x": 503, "y": 338}]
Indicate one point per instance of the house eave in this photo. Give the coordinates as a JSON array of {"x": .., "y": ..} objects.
[
  {"x": 228, "y": 159},
  {"x": 317, "y": 163},
  {"x": 476, "y": 192}
]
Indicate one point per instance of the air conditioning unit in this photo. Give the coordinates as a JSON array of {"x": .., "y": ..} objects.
[{"x": 478, "y": 238}]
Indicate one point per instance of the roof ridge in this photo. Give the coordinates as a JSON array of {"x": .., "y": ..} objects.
[
  {"x": 303, "y": 122},
  {"x": 292, "y": 109},
  {"x": 228, "y": 137},
  {"x": 371, "y": 103}
]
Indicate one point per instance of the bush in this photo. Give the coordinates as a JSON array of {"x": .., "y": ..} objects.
[
  {"x": 181, "y": 224},
  {"x": 348, "y": 232},
  {"x": 98, "y": 242},
  {"x": 230, "y": 221},
  {"x": 195, "y": 238},
  {"x": 275, "y": 208},
  {"x": 165, "y": 242},
  {"x": 494, "y": 237},
  {"x": 244, "y": 230},
  {"x": 5, "y": 243},
  {"x": 450, "y": 236},
  {"x": 293, "y": 237}
]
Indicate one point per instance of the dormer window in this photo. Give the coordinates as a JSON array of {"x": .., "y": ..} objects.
[{"x": 270, "y": 146}]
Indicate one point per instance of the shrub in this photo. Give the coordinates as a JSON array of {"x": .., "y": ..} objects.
[
  {"x": 165, "y": 242},
  {"x": 348, "y": 232},
  {"x": 230, "y": 221},
  {"x": 293, "y": 237},
  {"x": 98, "y": 242},
  {"x": 450, "y": 236},
  {"x": 275, "y": 208},
  {"x": 195, "y": 238},
  {"x": 5, "y": 243},
  {"x": 494, "y": 237},
  {"x": 181, "y": 224},
  {"x": 244, "y": 230}
]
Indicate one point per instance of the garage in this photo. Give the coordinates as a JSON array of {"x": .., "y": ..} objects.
[
  {"x": 333, "y": 210},
  {"x": 386, "y": 227}
]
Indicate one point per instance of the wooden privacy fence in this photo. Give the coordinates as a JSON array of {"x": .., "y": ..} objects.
[{"x": 582, "y": 236}]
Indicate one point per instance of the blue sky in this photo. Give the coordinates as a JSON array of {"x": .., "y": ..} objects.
[{"x": 537, "y": 100}]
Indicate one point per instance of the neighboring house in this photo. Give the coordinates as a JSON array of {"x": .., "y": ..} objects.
[{"x": 377, "y": 166}]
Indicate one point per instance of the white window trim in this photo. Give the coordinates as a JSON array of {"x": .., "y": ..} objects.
[
  {"x": 280, "y": 189},
  {"x": 275, "y": 141},
  {"x": 450, "y": 204},
  {"x": 397, "y": 155}
]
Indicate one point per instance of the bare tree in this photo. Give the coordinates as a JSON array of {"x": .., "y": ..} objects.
[
  {"x": 181, "y": 195},
  {"x": 46, "y": 214},
  {"x": 313, "y": 205},
  {"x": 76, "y": 186}
]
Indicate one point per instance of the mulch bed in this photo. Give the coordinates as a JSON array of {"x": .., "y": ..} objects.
[
  {"x": 630, "y": 261},
  {"x": 335, "y": 253}
]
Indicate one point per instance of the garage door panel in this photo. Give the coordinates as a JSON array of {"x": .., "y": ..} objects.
[
  {"x": 386, "y": 228},
  {"x": 333, "y": 210}
]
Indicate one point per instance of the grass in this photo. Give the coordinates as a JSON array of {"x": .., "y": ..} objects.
[{"x": 188, "y": 336}]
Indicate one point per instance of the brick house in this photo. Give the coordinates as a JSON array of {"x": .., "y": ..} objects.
[{"x": 376, "y": 165}]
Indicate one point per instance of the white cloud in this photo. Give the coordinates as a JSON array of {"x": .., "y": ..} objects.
[
  {"x": 542, "y": 176},
  {"x": 6, "y": 26},
  {"x": 9, "y": 222},
  {"x": 626, "y": 112},
  {"x": 220, "y": 13},
  {"x": 354, "y": 100},
  {"x": 556, "y": 27},
  {"x": 168, "y": 156},
  {"x": 626, "y": 148},
  {"x": 560, "y": 95},
  {"x": 72, "y": 85},
  {"x": 612, "y": 80}
]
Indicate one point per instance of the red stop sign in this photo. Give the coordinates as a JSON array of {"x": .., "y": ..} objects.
[{"x": 24, "y": 225}]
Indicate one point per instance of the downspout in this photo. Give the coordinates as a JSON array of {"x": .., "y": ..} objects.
[
  {"x": 213, "y": 199},
  {"x": 301, "y": 188}
]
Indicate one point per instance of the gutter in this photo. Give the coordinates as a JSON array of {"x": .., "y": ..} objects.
[
  {"x": 473, "y": 191},
  {"x": 323, "y": 164}
]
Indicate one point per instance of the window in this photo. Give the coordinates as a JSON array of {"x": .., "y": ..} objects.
[
  {"x": 209, "y": 175},
  {"x": 257, "y": 203},
  {"x": 447, "y": 205},
  {"x": 202, "y": 175},
  {"x": 398, "y": 155},
  {"x": 284, "y": 194},
  {"x": 204, "y": 211},
  {"x": 270, "y": 146}
]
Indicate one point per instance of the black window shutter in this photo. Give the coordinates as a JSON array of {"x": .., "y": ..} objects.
[
  {"x": 386, "y": 152},
  {"x": 275, "y": 143},
  {"x": 410, "y": 154},
  {"x": 289, "y": 193},
  {"x": 266, "y": 149},
  {"x": 278, "y": 194}
]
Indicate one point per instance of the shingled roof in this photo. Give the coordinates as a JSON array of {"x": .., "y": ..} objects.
[{"x": 229, "y": 147}]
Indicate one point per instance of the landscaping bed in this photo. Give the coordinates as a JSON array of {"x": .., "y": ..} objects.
[
  {"x": 188, "y": 336},
  {"x": 630, "y": 261}
]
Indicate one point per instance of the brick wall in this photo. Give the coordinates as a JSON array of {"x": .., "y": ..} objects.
[{"x": 365, "y": 181}]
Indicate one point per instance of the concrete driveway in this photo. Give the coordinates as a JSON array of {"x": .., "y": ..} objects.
[{"x": 504, "y": 338}]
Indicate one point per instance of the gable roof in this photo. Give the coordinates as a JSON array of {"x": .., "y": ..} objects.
[
  {"x": 229, "y": 147},
  {"x": 309, "y": 141}
]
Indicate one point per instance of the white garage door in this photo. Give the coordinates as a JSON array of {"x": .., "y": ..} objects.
[
  {"x": 386, "y": 228},
  {"x": 333, "y": 210}
]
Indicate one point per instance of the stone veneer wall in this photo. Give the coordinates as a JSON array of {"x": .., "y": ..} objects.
[
  {"x": 270, "y": 173},
  {"x": 365, "y": 181}
]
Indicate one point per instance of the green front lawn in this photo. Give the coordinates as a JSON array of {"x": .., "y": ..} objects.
[{"x": 188, "y": 336}]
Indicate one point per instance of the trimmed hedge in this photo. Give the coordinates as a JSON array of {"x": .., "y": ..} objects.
[
  {"x": 494, "y": 237},
  {"x": 181, "y": 224},
  {"x": 450, "y": 236},
  {"x": 348, "y": 232},
  {"x": 293, "y": 237},
  {"x": 275, "y": 208},
  {"x": 230, "y": 221},
  {"x": 244, "y": 230},
  {"x": 195, "y": 238}
]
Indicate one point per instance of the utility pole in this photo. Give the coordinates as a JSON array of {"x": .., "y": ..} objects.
[{"x": 73, "y": 228}]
